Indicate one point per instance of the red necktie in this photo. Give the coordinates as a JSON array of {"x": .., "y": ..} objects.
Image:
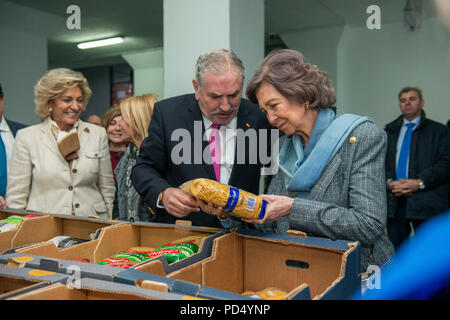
[{"x": 214, "y": 147}]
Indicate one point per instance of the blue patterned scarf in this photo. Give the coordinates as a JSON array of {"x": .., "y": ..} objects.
[{"x": 303, "y": 167}]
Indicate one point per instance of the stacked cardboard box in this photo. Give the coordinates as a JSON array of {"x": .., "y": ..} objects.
[{"x": 241, "y": 264}]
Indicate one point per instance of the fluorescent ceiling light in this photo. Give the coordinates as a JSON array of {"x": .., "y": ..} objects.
[{"x": 100, "y": 43}]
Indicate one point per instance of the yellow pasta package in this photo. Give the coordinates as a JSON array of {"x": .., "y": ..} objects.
[
  {"x": 268, "y": 294},
  {"x": 235, "y": 201}
]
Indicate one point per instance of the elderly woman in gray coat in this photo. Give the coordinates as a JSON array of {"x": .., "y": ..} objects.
[{"x": 330, "y": 181}]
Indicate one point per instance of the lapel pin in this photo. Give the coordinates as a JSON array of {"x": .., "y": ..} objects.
[
  {"x": 248, "y": 126},
  {"x": 86, "y": 130},
  {"x": 352, "y": 140}
]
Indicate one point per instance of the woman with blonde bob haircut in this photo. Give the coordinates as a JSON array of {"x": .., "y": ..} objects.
[
  {"x": 330, "y": 181},
  {"x": 61, "y": 165},
  {"x": 136, "y": 116}
]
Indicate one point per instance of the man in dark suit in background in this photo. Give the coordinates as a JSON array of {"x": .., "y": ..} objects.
[
  {"x": 177, "y": 149},
  {"x": 8, "y": 130},
  {"x": 417, "y": 172}
]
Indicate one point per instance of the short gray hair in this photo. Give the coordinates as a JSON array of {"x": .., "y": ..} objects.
[
  {"x": 415, "y": 89},
  {"x": 295, "y": 78},
  {"x": 218, "y": 61}
]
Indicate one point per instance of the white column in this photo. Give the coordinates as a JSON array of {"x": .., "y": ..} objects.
[
  {"x": 147, "y": 71},
  {"x": 194, "y": 27}
]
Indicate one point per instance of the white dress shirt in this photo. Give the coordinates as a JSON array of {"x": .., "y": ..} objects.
[
  {"x": 401, "y": 136},
  {"x": 227, "y": 135},
  {"x": 8, "y": 139}
]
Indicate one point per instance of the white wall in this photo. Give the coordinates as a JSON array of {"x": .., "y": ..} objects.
[
  {"x": 148, "y": 72},
  {"x": 369, "y": 67},
  {"x": 375, "y": 65},
  {"x": 247, "y": 34},
  {"x": 319, "y": 46},
  {"x": 191, "y": 28},
  {"x": 23, "y": 57}
]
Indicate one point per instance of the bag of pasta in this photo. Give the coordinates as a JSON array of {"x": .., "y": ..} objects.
[{"x": 234, "y": 201}]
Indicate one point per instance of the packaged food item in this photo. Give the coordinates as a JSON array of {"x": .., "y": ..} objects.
[
  {"x": 192, "y": 242},
  {"x": 140, "y": 249},
  {"x": 172, "y": 253},
  {"x": 125, "y": 257},
  {"x": 10, "y": 223},
  {"x": 66, "y": 241},
  {"x": 268, "y": 294},
  {"x": 235, "y": 201},
  {"x": 31, "y": 216},
  {"x": 121, "y": 265}
]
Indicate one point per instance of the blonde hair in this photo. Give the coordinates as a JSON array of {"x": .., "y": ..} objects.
[
  {"x": 55, "y": 82},
  {"x": 110, "y": 114},
  {"x": 137, "y": 112}
]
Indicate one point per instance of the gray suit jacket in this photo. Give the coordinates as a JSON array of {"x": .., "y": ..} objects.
[{"x": 349, "y": 199}]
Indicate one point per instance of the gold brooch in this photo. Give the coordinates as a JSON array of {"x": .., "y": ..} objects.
[{"x": 352, "y": 140}]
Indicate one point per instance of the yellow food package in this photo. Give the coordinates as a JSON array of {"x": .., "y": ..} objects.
[
  {"x": 235, "y": 201},
  {"x": 268, "y": 294}
]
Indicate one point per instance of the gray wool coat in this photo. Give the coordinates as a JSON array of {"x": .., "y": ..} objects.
[{"x": 348, "y": 201}]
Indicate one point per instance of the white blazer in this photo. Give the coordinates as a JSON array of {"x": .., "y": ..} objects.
[{"x": 40, "y": 179}]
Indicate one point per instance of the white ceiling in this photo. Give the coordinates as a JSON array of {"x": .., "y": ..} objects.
[{"x": 141, "y": 21}]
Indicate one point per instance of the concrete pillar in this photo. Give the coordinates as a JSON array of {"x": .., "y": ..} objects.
[
  {"x": 197, "y": 26},
  {"x": 147, "y": 71}
]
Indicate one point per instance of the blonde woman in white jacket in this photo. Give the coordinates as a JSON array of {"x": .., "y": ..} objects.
[{"x": 62, "y": 165}]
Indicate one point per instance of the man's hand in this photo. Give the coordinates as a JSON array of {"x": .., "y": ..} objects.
[
  {"x": 3, "y": 204},
  {"x": 178, "y": 203},
  {"x": 212, "y": 209},
  {"x": 403, "y": 187}
]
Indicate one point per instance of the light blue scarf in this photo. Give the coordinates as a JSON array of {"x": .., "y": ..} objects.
[{"x": 302, "y": 168}]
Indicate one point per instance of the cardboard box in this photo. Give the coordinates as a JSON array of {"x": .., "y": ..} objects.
[
  {"x": 6, "y": 236},
  {"x": 66, "y": 267},
  {"x": 110, "y": 240},
  {"x": 94, "y": 289},
  {"x": 153, "y": 235},
  {"x": 249, "y": 261},
  {"x": 43, "y": 228},
  {"x": 15, "y": 278}
]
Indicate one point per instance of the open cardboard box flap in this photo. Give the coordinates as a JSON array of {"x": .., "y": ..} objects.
[
  {"x": 7, "y": 236},
  {"x": 124, "y": 236},
  {"x": 41, "y": 229},
  {"x": 94, "y": 289}
]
